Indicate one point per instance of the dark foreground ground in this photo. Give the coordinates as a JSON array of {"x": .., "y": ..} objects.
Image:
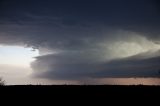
[
  {"x": 84, "y": 92},
  {"x": 100, "y": 90}
]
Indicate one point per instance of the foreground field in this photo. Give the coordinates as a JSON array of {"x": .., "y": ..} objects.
[{"x": 87, "y": 90}]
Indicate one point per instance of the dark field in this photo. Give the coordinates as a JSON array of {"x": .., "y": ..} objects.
[
  {"x": 81, "y": 90},
  {"x": 66, "y": 94}
]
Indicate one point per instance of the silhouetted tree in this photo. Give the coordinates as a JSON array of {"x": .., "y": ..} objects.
[{"x": 2, "y": 82}]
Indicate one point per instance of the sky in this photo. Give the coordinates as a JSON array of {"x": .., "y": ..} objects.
[{"x": 80, "y": 42}]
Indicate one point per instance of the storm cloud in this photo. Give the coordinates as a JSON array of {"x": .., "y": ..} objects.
[
  {"x": 71, "y": 66},
  {"x": 84, "y": 39}
]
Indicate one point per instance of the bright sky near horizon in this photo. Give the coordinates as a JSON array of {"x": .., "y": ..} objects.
[
  {"x": 17, "y": 55},
  {"x": 15, "y": 64}
]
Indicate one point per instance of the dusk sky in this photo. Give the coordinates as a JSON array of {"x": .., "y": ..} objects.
[{"x": 80, "y": 41}]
